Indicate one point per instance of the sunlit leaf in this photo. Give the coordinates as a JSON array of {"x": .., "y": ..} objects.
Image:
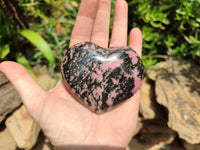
[
  {"x": 21, "y": 59},
  {"x": 40, "y": 43},
  {"x": 4, "y": 51},
  {"x": 194, "y": 40}
]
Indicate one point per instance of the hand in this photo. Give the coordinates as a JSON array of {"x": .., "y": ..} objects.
[{"x": 64, "y": 120}]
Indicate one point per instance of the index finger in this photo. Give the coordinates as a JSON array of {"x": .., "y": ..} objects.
[{"x": 84, "y": 22}]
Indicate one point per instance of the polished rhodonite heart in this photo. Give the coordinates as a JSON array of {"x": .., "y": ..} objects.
[{"x": 101, "y": 78}]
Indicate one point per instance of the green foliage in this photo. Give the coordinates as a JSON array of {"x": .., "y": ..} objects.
[
  {"x": 41, "y": 44},
  {"x": 168, "y": 27},
  {"x": 148, "y": 62},
  {"x": 8, "y": 35},
  {"x": 4, "y": 51},
  {"x": 52, "y": 22},
  {"x": 21, "y": 59}
]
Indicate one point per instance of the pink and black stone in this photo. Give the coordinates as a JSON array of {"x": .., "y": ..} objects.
[{"x": 101, "y": 78}]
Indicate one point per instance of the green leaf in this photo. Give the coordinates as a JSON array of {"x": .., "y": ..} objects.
[
  {"x": 148, "y": 61},
  {"x": 21, "y": 59},
  {"x": 198, "y": 19},
  {"x": 194, "y": 40},
  {"x": 180, "y": 11},
  {"x": 170, "y": 40},
  {"x": 47, "y": 1},
  {"x": 4, "y": 51},
  {"x": 157, "y": 25},
  {"x": 197, "y": 53},
  {"x": 40, "y": 43},
  {"x": 165, "y": 21},
  {"x": 193, "y": 23}
]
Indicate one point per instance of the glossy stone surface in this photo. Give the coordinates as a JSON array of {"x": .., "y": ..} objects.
[{"x": 101, "y": 78}]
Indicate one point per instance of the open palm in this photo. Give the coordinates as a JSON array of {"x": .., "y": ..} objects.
[{"x": 64, "y": 120}]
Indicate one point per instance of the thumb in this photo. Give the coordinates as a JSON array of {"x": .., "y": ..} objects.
[{"x": 30, "y": 92}]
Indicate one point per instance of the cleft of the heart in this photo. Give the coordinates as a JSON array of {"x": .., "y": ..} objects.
[{"x": 101, "y": 78}]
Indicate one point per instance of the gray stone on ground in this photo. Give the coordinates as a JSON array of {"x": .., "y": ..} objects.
[
  {"x": 9, "y": 98},
  {"x": 6, "y": 140},
  {"x": 22, "y": 128},
  {"x": 177, "y": 87},
  {"x": 155, "y": 135},
  {"x": 188, "y": 146},
  {"x": 149, "y": 108},
  {"x": 44, "y": 79}
]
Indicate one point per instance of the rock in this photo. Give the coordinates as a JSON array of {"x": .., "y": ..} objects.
[
  {"x": 43, "y": 143},
  {"x": 176, "y": 145},
  {"x": 23, "y": 129},
  {"x": 128, "y": 148},
  {"x": 155, "y": 132},
  {"x": 6, "y": 140},
  {"x": 9, "y": 99},
  {"x": 188, "y": 146},
  {"x": 155, "y": 135},
  {"x": 136, "y": 145},
  {"x": 44, "y": 79},
  {"x": 178, "y": 89},
  {"x": 138, "y": 127},
  {"x": 149, "y": 108}
]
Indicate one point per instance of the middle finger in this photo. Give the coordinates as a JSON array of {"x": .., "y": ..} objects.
[
  {"x": 119, "y": 31},
  {"x": 100, "y": 34}
]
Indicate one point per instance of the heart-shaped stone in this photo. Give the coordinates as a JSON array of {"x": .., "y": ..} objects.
[{"x": 101, "y": 78}]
